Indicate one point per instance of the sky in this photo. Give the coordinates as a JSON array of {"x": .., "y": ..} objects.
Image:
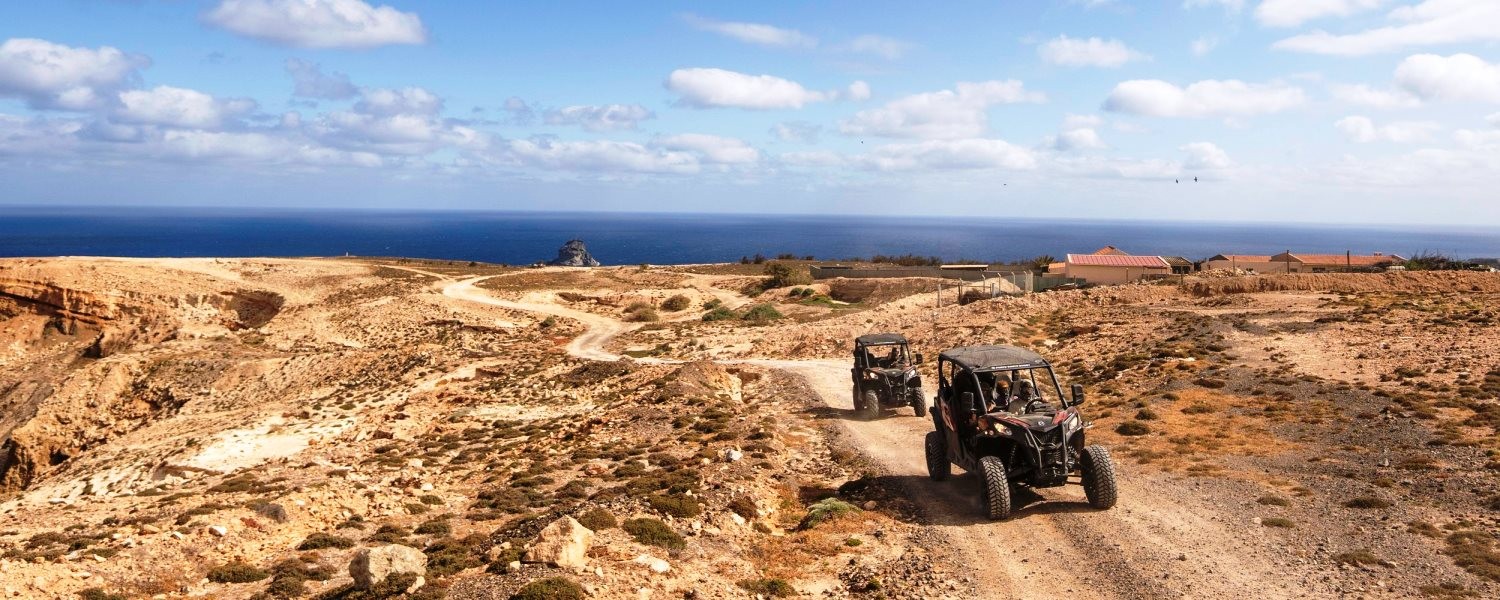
[{"x": 1329, "y": 111}]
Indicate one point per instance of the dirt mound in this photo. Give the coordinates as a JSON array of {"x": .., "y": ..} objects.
[
  {"x": 879, "y": 290},
  {"x": 703, "y": 379},
  {"x": 1429, "y": 281}
]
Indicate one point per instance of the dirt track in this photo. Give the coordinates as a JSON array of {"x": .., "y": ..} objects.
[{"x": 1168, "y": 537}]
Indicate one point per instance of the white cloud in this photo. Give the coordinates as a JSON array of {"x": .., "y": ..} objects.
[
  {"x": 753, "y": 33},
  {"x": 1484, "y": 141},
  {"x": 609, "y": 117},
  {"x": 1205, "y": 156},
  {"x": 1208, "y": 98},
  {"x": 1091, "y": 52},
  {"x": 1229, "y": 5},
  {"x": 598, "y": 156},
  {"x": 179, "y": 107},
  {"x": 1204, "y": 45},
  {"x": 1433, "y": 22},
  {"x": 1493, "y": 120},
  {"x": 884, "y": 47},
  {"x": 816, "y": 158},
  {"x": 718, "y": 88},
  {"x": 319, "y": 23},
  {"x": 48, "y": 75},
  {"x": 1291, "y": 13},
  {"x": 1365, "y": 95},
  {"x": 1081, "y": 138},
  {"x": 409, "y": 100},
  {"x": 956, "y": 113},
  {"x": 858, "y": 91},
  {"x": 1461, "y": 77},
  {"x": 1078, "y": 133},
  {"x": 712, "y": 148},
  {"x": 963, "y": 154},
  {"x": 796, "y": 131},
  {"x": 310, "y": 81},
  {"x": 1363, "y": 130}
]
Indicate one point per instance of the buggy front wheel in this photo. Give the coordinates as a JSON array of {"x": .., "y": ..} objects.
[
  {"x": 871, "y": 408},
  {"x": 1098, "y": 477},
  {"x": 996, "y": 491},
  {"x": 918, "y": 405},
  {"x": 938, "y": 467}
]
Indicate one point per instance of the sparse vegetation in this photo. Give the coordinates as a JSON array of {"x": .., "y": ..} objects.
[
  {"x": 653, "y": 532},
  {"x": 676, "y": 303},
  {"x": 776, "y": 588},
  {"x": 551, "y": 588},
  {"x": 236, "y": 572}
]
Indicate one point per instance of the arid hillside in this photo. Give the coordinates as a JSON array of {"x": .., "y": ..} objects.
[{"x": 286, "y": 428}]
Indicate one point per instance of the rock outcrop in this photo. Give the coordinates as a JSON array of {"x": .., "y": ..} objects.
[
  {"x": 574, "y": 254},
  {"x": 565, "y": 543},
  {"x": 371, "y": 566}
]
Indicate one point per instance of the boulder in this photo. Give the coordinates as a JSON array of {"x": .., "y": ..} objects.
[
  {"x": 372, "y": 566},
  {"x": 565, "y": 543},
  {"x": 574, "y": 254}
]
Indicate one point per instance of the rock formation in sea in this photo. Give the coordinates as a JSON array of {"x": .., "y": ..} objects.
[{"x": 574, "y": 254}]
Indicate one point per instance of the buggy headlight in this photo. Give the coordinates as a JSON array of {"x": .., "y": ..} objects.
[{"x": 1072, "y": 423}]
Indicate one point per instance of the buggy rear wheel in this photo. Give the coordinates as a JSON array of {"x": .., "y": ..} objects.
[
  {"x": 938, "y": 467},
  {"x": 918, "y": 405},
  {"x": 996, "y": 491},
  {"x": 1098, "y": 477}
]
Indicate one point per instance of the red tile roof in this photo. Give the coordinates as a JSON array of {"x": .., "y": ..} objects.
[
  {"x": 1111, "y": 251},
  {"x": 1117, "y": 260},
  {"x": 1246, "y": 257}
]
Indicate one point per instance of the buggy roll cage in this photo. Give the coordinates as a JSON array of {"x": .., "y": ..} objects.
[{"x": 944, "y": 385}]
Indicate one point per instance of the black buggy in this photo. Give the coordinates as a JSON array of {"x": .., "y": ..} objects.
[
  {"x": 1000, "y": 414},
  {"x": 885, "y": 375}
]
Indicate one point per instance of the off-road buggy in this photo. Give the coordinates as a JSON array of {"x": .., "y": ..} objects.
[
  {"x": 885, "y": 375},
  {"x": 1001, "y": 415}
]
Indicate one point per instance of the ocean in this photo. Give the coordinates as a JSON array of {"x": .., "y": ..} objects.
[{"x": 633, "y": 238}]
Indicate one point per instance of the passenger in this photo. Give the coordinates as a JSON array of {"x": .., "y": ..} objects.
[{"x": 1021, "y": 397}]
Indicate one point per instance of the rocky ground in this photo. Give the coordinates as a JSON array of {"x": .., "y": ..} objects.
[{"x": 325, "y": 428}]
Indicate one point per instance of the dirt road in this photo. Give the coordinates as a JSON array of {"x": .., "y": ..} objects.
[{"x": 1167, "y": 537}]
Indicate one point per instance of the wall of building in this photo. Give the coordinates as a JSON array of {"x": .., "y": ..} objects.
[
  {"x": 1257, "y": 266},
  {"x": 1102, "y": 275}
]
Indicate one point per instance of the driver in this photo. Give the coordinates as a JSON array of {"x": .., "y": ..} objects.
[{"x": 1022, "y": 395}]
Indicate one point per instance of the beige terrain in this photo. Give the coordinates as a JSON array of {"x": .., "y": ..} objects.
[{"x": 245, "y": 428}]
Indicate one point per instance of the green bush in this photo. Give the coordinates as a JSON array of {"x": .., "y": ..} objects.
[
  {"x": 236, "y": 572},
  {"x": 677, "y": 505},
  {"x": 676, "y": 303},
  {"x": 782, "y": 275},
  {"x": 1367, "y": 502},
  {"x": 551, "y": 588},
  {"x": 641, "y": 312},
  {"x": 653, "y": 532},
  {"x": 712, "y": 304},
  {"x": 99, "y": 594},
  {"x": 762, "y": 313},
  {"x": 598, "y": 519},
  {"x": 437, "y": 527},
  {"x": 824, "y": 510},
  {"x": 744, "y": 506},
  {"x": 719, "y": 313},
  {"x": 320, "y": 540},
  {"x": 776, "y": 588}
]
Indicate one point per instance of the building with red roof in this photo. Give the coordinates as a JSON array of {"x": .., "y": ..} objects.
[{"x": 1114, "y": 268}]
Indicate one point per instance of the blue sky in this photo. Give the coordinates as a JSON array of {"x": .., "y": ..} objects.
[{"x": 1342, "y": 111}]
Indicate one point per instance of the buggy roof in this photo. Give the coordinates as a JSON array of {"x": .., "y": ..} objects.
[
  {"x": 983, "y": 357},
  {"x": 880, "y": 339}
]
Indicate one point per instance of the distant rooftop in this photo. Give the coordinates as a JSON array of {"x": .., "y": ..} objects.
[{"x": 1116, "y": 260}]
